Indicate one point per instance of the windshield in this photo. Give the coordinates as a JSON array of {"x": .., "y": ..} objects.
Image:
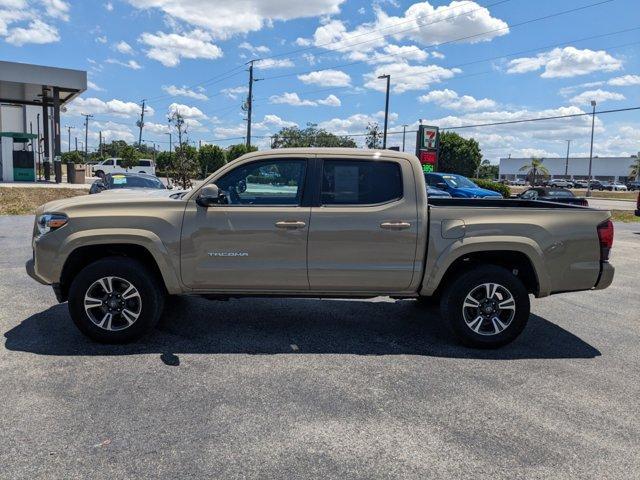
[
  {"x": 559, "y": 193},
  {"x": 125, "y": 181},
  {"x": 458, "y": 181}
]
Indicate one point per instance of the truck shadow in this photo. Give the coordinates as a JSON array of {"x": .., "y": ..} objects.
[{"x": 293, "y": 326}]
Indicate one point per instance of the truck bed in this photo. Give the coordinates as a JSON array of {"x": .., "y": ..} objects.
[{"x": 504, "y": 203}]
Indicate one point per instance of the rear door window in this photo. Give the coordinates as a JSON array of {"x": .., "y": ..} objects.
[{"x": 360, "y": 182}]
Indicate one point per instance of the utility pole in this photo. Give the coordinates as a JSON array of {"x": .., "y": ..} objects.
[
  {"x": 249, "y": 103},
  {"x": 386, "y": 110},
  {"x": 404, "y": 134},
  {"x": 76, "y": 144},
  {"x": 39, "y": 148},
  {"x": 100, "y": 133},
  {"x": 69, "y": 135},
  {"x": 141, "y": 123},
  {"x": 86, "y": 135},
  {"x": 566, "y": 163},
  {"x": 593, "y": 122}
]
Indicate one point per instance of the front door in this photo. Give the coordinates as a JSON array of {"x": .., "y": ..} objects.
[
  {"x": 364, "y": 232},
  {"x": 256, "y": 239}
]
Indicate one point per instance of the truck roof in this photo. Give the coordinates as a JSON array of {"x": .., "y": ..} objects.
[{"x": 332, "y": 151}]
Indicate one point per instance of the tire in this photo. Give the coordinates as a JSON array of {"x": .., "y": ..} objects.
[
  {"x": 133, "y": 314},
  {"x": 474, "y": 326},
  {"x": 100, "y": 174}
]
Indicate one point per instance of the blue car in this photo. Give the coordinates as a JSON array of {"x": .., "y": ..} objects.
[
  {"x": 436, "y": 193},
  {"x": 458, "y": 186}
]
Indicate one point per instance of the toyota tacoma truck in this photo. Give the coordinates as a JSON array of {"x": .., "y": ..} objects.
[{"x": 316, "y": 223}]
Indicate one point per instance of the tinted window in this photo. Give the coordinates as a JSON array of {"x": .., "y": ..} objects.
[
  {"x": 126, "y": 181},
  {"x": 559, "y": 193},
  {"x": 353, "y": 182},
  {"x": 145, "y": 163},
  {"x": 529, "y": 195},
  {"x": 275, "y": 182},
  {"x": 108, "y": 162}
]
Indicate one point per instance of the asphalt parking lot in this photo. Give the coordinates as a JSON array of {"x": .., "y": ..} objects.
[{"x": 263, "y": 388}]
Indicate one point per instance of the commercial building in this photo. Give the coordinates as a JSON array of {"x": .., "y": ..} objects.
[
  {"x": 603, "y": 168},
  {"x": 31, "y": 97}
]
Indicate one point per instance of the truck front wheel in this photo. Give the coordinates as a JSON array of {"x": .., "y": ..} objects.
[
  {"x": 115, "y": 300},
  {"x": 486, "y": 307}
]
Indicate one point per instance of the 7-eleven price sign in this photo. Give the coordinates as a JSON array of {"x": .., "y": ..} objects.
[{"x": 427, "y": 145}]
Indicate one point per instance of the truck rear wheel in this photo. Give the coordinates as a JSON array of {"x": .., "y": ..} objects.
[
  {"x": 115, "y": 300},
  {"x": 486, "y": 307}
]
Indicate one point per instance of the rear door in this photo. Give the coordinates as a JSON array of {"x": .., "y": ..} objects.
[{"x": 363, "y": 230}]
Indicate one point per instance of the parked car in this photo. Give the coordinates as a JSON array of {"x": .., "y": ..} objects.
[
  {"x": 633, "y": 185},
  {"x": 579, "y": 183},
  {"x": 560, "y": 183},
  {"x": 436, "y": 193},
  {"x": 597, "y": 185},
  {"x": 124, "y": 180},
  {"x": 346, "y": 223},
  {"x": 560, "y": 195},
  {"x": 458, "y": 186},
  {"x": 114, "y": 165},
  {"x": 615, "y": 187},
  {"x": 637, "y": 212}
]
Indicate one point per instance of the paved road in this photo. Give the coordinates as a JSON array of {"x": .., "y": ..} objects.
[
  {"x": 320, "y": 388},
  {"x": 606, "y": 204}
]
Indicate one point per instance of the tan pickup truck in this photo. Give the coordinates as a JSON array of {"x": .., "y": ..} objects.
[{"x": 316, "y": 223}]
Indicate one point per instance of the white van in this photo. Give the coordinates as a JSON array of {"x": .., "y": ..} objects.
[{"x": 113, "y": 165}]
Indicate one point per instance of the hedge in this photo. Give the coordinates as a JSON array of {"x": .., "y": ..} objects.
[{"x": 493, "y": 186}]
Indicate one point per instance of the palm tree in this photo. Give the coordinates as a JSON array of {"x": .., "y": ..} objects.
[{"x": 533, "y": 168}]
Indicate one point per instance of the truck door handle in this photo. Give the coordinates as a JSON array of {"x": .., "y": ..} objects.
[
  {"x": 290, "y": 225},
  {"x": 395, "y": 225}
]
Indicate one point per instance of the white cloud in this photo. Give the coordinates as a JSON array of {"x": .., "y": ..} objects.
[
  {"x": 269, "y": 63},
  {"x": 273, "y": 121},
  {"x": 294, "y": 100},
  {"x": 92, "y": 86},
  {"x": 124, "y": 48},
  {"x": 37, "y": 32},
  {"x": 303, "y": 42},
  {"x": 57, "y": 9},
  {"x": 108, "y": 6},
  {"x": 224, "y": 19},
  {"x": 625, "y": 81},
  {"x": 406, "y": 77},
  {"x": 185, "y": 92},
  {"x": 169, "y": 48},
  {"x": 566, "y": 91},
  {"x": 101, "y": 39},
  {"x": 326, "y": 78},
  {"x": 331, "y": 101},
  {"x": 111, "y": 131},
  {"x": 566, "y": 62},
  {"x": 598, "y": 95},
  {"x": 234, "y": 92},
  {"x": 256, "y": 50},
  {"x": 156, "y": 128},
  {"x": 187, "y": 111},
  {"x": 132, "y": 64},
  {"x": 449, "y": 99},
  {"x": 114, "y": 107},
  {"x": 356, "y": 123}
]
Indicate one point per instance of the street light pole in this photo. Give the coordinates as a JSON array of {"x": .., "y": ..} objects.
[
  {"x": 593, "y": 122},
  {"x": 386, "y": 110},
  {"x": 566, "y": 163},
  {"x": 404, "y": 134}
]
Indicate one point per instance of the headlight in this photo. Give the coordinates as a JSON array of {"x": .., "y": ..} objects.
[{"x": 50, "y": 221}]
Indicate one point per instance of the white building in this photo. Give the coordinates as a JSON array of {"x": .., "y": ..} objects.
[{"x": 603, "y": 168}]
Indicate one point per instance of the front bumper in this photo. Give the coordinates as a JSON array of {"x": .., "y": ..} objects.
[
  {"x": 606, "y": 276},
  {"x": 31, "y": 271}
]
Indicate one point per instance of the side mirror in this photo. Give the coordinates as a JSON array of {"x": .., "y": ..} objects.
[
  {"x": 441, "y": 185},
  {"x": 209, "y": 196}
]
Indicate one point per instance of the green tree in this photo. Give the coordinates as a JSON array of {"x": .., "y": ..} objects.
[
  {"x": 312, "y": 136},
  {"x": 211, "y": 158},
  {"x": 488, "y": 171},
  {"x": 533, "y": 168},
  {"x": 184, "y": 165},
  {"x": 634, "y": 173},
  {"x": 130, "y": 157},
  {"x": 236, "y": 151},
  {"x": 72, "y": 157},
  {"x": 114, "y": 148},
  {"x": 458, "y": 155},
  {"x": 163, "y": 161},
  {"x": 372, "y": 140}
]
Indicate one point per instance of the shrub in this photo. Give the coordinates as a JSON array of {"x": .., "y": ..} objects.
[{"x": 493, "y": 186}]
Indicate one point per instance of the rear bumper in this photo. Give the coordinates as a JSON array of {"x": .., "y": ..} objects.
[{"x": 606, "y": 276}]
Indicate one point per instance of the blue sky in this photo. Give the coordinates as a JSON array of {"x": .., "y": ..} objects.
[{"x": 451, "y": 64}]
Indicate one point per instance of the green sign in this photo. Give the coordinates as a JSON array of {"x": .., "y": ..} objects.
[{"x": 426, "y": 168}]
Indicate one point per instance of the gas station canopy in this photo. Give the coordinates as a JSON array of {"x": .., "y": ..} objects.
[{"x": 23, "y": 84}]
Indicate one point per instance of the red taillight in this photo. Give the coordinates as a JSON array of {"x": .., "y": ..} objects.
[{"x": 605, "y": 236}]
